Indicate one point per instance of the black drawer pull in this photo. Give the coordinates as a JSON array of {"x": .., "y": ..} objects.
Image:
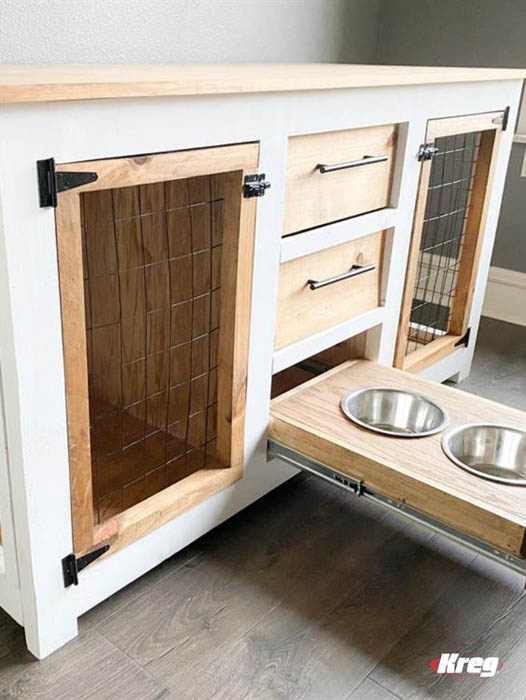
[
  {"x": 366, "y": 160},
  {"x": 353, "y": 272}
]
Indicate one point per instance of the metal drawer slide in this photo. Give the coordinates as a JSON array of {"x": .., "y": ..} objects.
[{"x": 359, "y": 488}]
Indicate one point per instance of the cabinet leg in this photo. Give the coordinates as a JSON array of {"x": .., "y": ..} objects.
[
  {"x": 46, "y": 635},
  {"x": 464, "y": 370}
]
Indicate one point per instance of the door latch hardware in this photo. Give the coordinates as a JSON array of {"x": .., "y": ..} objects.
[
  {"x": 427, "y": 151},
  {"x": 502, "y": 119},
  {"x": 464, "y": 341},
  {"x": 255, "y": 185},
  {"x": 51, "y": 182},
  {"x": 71, "y": 566}
]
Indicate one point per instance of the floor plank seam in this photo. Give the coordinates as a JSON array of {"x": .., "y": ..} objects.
[
  {"x": 443, "y": 592},
  {"x": 135, "y": 663},
  {"x": 234, "y": 644},
  {"x": 471, "y": 644},
  {"x": 135, "y": 598},
  {"x": 388, "y": 690}
]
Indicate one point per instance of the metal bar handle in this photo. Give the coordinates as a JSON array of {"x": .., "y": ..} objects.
[
  {"x": 353, "y": 272},
  {"x": 366, "y": 160}
]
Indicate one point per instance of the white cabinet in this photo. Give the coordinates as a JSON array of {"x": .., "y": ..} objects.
[{"x": 139, "y": 314}]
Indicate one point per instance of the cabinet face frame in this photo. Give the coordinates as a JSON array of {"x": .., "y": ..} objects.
[
  {"x": 236, "y": 283},
  {"x": 490, "y": 126}
]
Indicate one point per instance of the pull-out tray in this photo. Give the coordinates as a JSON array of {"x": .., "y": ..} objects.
[{"x": 308, "y": 428}]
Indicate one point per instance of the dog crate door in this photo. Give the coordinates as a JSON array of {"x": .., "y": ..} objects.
[
  {"x": 458, "y": 160},
  {"x": 155, "y": 265}
]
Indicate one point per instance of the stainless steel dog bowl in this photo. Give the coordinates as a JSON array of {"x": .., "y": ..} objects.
[
  {"x": 493, "y": 452},
  {"x": 394, "y": 412}
]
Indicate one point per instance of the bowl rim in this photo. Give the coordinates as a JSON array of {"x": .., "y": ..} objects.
[
  {"x": 444, "y": 442},
  {"x": 426, "y": 433}
]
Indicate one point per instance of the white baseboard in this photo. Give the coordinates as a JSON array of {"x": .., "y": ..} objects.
[{"x": 505, "y": 297}]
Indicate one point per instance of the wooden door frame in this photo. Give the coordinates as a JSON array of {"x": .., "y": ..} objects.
[
  {"x": 238, "y": 248},
  {"x": 490, "y": 124}
]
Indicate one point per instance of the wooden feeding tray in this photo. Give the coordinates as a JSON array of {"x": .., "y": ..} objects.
[{"x": 412, "y": 474}]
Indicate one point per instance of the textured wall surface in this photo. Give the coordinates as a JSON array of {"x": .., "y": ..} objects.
[
  {"x": 466, "y": 33},
  {"x": 156, "y": 31},
  {"x": 510, "y": 247},
  {"x": 445, "y": 32}
]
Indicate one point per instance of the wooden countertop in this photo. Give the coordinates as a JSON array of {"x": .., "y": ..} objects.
[{"x": 40, "y": 83}]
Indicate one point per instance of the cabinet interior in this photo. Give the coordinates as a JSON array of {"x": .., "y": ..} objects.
[
  {"x": 291, "y": 377},
  {"x": 152, "y": 275},
  {"x": 458, "y": 165},
  {"x": 443, "y": 228}
]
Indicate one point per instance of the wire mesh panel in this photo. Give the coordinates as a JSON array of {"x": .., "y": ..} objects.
[
  {"x": 446, "y": 212},
  {"x": 152, "y": 269}
]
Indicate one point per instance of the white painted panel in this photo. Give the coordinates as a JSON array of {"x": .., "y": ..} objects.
[
  {"x": 10, "y": 597},
  {"x": 299, "y": 244}
]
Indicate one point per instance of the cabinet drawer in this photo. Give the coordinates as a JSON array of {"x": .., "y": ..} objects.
[
  {"x": 355, "y": 177},
  {"x": 411, "y": 474},
  {"x": 323, "y": 289}
]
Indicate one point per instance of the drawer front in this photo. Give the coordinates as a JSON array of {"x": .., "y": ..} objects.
[
  {"x": 346, "y": 281},
  {"x": 356, "y": 179}
]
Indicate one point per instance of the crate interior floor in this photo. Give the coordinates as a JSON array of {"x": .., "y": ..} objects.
[{"x": 303, "y": 595}]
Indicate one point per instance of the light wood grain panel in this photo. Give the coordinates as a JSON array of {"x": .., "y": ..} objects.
[
  {"x": 462, "y": 125},
  {"x": 134, "y": 523},
  {"x": 41, "y": 83},
  {"x": 313, "y": 198},
  {"x": 427, "y": 355},
  {"x": 287, "y": 379},
  {"x": 472, "y": 239},
  {"x": 71, "y": 276},
  {"x": 412, "y": 263},
  {"x": 350, "y": 349},
  {"x": 474, "y": 230},
  {"x": 144, "y": 170},
  {"x": 234, "y": 320},
  {"x": 158, "y": 378},
  {"x": 415, "y": 472},
  {"x": 303, "y": 311}
]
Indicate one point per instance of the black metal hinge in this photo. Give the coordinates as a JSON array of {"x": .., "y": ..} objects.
[
  {"x": 464, "y": 341},
  {"x": 502, "y": 119},
  {"x": 427, "y": 151},
  {"x": 71, "y": 566},
  {"x": 51, "y": 182},
  {"x": 505, "y": 118},
  {"x": 255, "y": 185}
]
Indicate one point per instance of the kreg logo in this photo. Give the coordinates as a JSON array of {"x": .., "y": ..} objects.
[{"x": 454, "y": 664}]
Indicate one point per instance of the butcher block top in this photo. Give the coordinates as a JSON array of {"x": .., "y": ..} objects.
[{"x": 49, "y": 83}]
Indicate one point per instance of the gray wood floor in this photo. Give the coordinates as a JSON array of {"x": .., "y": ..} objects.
[{"x": 305, "y": 595}]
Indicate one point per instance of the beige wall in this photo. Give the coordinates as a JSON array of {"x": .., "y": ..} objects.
[
  {"x": 434, "y": 32},
  {"x": 156, "y": 31}
]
